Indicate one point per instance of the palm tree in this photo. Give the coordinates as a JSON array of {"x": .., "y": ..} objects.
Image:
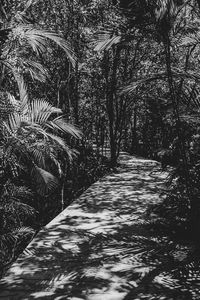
[
  {"x": 32, "y": 132},
  {"x": 34, "y": 135},
  {"x": 22, "y": 45},
  {"x": 34, "y": 139}
]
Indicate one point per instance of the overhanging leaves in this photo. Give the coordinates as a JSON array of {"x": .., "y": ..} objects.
[
  {"x": 129, "y": 89},
  {"x": 37, "y": 40}
]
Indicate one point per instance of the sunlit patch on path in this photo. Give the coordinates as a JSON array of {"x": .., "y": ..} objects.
[{"x": 97, "y": 248}]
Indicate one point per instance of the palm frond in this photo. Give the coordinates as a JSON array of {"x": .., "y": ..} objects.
[
  {"x": 44, "y": 181},
  {"x": 56, "y": 163},
  {"x": 165, "y": 7},
  {"x": 40, "y": 154},
  {"x": 106, "y": 40},
  {"x": 14, "y": 123},
  {"x": 23, "y": 210},
  {"x": 41, "y": 110},
  {"x": 24, "y": 231},
  {"x": 188, "y": 41},
  {"x": 13, "y": 101},
  {"x": 60, "y": 142},
  {"x": 37, "y": 155},
  {"x": 23, "y": 93},
  {"x": 129, "y": 89},
  {"x": 23, "y": 97},
  {"x": 19, "y": 193},
  {"x": 28, "y": 4},
  {"x": 62, "y": 125},
  {"x": 36, "y": 70},
  {"x": 6, "y": 240},
  {"x": 37, "y": 40}
]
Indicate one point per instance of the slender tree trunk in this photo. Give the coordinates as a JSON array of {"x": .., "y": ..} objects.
[
  {"x": 181, "y": 140},
  {"x": 76, "y": 95},
  {"x": 111, "y": 82},
  {"x": 63, "y": 188},
  {"x": 134, "y": 132}
]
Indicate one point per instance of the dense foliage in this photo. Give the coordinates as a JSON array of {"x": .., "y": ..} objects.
[
  {"x": 126, "y": 73},
  {"x": 43, "y": 163},
  {"x": 160, "y": 42}
]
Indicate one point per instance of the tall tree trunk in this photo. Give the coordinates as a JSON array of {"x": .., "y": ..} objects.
[
  {"x": 110, "y": 93},
  {"x": 134, "y": 142},
  {"x": 181, "y": 140},
  {"x": 76, "y": 95},
  {"x": 110, "y": 106}
]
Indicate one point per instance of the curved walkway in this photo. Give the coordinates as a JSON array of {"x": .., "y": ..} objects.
[{"x": 95, "y": 248}]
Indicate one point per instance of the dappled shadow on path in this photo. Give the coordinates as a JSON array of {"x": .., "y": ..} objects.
[{"x": 100, "y": 248}]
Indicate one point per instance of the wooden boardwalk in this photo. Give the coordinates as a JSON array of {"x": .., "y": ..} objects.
[{"x": 87, "y": 252}]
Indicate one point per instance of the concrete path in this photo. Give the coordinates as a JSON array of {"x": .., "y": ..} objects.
[{"x": 90, "y": 251}]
